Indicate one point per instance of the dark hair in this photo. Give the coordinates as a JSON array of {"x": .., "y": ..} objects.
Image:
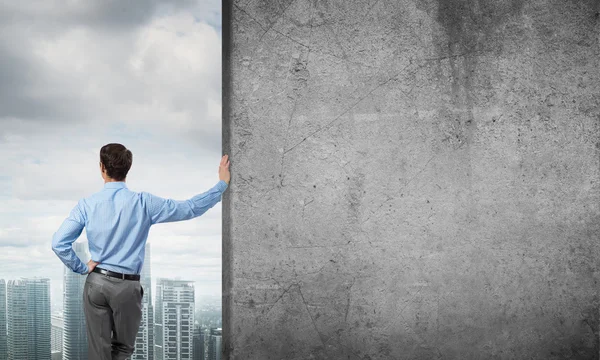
[{"x": 117, "y": 160}]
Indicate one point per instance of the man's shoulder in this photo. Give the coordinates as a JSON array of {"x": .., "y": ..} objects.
[
  {"x": 103, "y": 194},
  {"x": 101, "y": 197},
  {"x": 87, "y": 200},
  {"x": 94, "y": 196},
  {"x": 145, "y": 196}
]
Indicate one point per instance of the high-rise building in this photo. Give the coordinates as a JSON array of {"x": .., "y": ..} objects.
[
  {"x": 3, "y": 337},
  {"x": 28, "y": 318},
  {"x": 144, "y": 343},
  {"x": 175, "y": 317},
  {"x": 74, "y": 336},
  {"x": 16, "y": 319},
  {"x": 158, "y": 326},
  {"x": 38, "y": 308},
  {"x": 214, "y": 344},
  {"x": 199, "y": 343},
  {"x": 56, "y": 336}
]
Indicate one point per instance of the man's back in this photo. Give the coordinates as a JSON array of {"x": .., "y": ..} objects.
[
  {"x": 117, "y": 225},
  {"x": 117, "y": 222}
]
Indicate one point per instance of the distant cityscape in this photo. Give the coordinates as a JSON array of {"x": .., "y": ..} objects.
[{"x": 172, "y": 327}]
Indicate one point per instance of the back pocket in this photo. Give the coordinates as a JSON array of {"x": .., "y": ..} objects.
[{"x": 94, "y": 293}]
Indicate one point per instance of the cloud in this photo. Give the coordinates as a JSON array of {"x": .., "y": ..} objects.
[
  {"x": 163, "y": 73},
  {"x": 106, "y": 15},
  {"x": 34, "y": 261}
]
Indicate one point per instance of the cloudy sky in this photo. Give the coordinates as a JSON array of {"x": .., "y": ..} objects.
[{"x": 78, "y": 74}]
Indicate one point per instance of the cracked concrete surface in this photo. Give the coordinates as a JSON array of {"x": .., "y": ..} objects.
[{"x": 411, "y": 179}]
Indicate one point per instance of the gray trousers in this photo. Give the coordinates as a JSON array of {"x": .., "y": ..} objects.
[{"x": 113, "y": 312}]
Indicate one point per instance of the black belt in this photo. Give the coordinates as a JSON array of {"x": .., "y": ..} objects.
[{"x": 116, "y": 274}]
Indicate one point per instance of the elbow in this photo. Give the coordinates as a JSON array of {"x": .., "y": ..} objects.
[
  {"x": 55, "y": 244},
  {"x": 192, "y": 210}
]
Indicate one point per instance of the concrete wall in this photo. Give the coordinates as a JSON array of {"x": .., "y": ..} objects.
[{"x": 412, "y": 179}]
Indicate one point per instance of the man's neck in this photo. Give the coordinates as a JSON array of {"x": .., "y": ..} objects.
[{"x": 113, "y": 180}]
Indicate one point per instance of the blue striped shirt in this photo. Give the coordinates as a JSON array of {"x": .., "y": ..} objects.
[{"x": 117, "y": 221}]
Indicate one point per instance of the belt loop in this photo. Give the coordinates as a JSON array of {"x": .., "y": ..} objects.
[{"x": 123, "y": 276}]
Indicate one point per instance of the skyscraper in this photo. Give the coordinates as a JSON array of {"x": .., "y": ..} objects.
[
  {"x": 56, "y": 335},
  {"x": 199, "y": 343},
  {"x": 74, "y": 334},
  {"x": 158, "y": 326},
  {"x": 144, "y": 343},
  {"x": 214, "y": 344},
  {"x": 16, "y": 308},
  {"x": 3, "y": 338},
  {"x": 175, "y": 316},
  {"x": 28, "y": 318}
]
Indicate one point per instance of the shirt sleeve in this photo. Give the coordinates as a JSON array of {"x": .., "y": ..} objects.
[
  {"x": 168, "y": 210},
  {"x": 68, "y": 232}
]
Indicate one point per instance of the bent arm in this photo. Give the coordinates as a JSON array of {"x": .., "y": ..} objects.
[
  {"x": 63, "y": 239},
  {"x": 168, "y": 210}
]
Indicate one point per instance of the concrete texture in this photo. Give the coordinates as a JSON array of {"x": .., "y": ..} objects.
[{"x": 411, "y": 179}]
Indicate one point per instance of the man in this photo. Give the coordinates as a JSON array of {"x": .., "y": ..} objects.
[{"x": 117, "y": 221}]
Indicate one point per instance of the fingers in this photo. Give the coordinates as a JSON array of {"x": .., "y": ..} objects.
[
  {"x": 92, "y": 266},
  {"x": 92, "y": 263},
  {"x": 225, "y": 161}
]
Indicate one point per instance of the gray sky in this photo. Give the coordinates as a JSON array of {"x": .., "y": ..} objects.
[{"x": 75, "y": 75}]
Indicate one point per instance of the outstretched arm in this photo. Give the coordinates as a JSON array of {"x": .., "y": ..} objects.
[
  {"x": 168, "y": 210},
  {"x": 62, "y": 240}
]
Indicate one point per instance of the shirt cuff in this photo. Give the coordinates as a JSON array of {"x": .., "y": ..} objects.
[
  {"x": 222, "y": 185},
  {"x": 84, "y": 271}
]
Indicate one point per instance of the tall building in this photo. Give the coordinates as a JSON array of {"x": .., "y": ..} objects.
[
  {"x": 144, "y": 343},
  {"x": 175, "y": 319},
  {"x": 214, "y": 344},
  {"x": 16, "y": 319},
  {"x": 3, "y": 337},
  {"x": 199, "y": 343},
  {"x": 56, "y": 336},
  {"x": 158, "y": 333},
  {"x": 28, "y": 318},
  {"x": 74, "y": 335}
]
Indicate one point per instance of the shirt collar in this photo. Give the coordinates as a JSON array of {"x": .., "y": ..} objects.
[{"x": 115, "y": 185}]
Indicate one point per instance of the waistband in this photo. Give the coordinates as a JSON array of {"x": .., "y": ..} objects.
[{"x": 116, "y": 274}]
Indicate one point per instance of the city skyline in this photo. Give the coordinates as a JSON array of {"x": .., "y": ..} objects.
[{"x": 34, "y": 332}]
